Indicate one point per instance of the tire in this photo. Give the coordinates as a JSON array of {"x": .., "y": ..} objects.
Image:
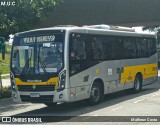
[
  {"x": 137, "y": 84},
  {"x": 50, "y": 104},
  {"x": 96, "y": 94}
]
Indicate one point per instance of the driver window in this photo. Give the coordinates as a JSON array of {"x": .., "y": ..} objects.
[{"x": 78, "y": 50}]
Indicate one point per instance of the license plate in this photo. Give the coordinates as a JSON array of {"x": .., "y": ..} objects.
[{"x": 34, "y": 95}]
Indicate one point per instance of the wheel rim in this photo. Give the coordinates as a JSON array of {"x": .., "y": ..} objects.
[
  {"x": 95, "y": 94},
  {"x": 137, "y": 84}
]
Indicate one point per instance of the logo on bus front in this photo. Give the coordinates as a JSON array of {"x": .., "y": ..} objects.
[{"x": 34, "y": 86}]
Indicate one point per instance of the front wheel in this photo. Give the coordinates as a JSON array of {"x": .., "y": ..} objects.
[
  {"x": 96, "y": 94},
  {"x": 137, "y": 84}
]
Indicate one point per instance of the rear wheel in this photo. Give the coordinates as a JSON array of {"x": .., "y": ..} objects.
[
  {"x": 50, "y": 104},
  {"x": 137, "y": 84},
  {"x": 96, "y": 94}
]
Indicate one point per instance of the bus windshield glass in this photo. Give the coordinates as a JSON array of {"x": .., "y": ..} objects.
[{"x": 38, "y": 54}]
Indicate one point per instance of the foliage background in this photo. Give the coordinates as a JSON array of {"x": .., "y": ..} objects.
[
  {"x": 154, "y": 28},
  {"x": 24, "y": 15}
]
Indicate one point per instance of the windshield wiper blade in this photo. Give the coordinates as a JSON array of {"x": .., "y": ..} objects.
[
  {"x": 42, "y": 64},
  {"x": 26, "y": 67}
]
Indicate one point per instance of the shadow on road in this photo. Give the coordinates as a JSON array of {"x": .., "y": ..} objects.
[{"x": 9, "y": 106}]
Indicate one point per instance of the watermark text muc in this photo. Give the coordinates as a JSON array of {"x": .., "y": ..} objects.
[{"x": 7, "y": 3}]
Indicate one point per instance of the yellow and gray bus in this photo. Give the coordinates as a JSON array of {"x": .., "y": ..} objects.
[{"x": 70, "y": 63}]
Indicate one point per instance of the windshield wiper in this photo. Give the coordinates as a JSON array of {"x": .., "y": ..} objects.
[
  {"x": 26, "y": 67},
  {"x": 42, "y": 64}
]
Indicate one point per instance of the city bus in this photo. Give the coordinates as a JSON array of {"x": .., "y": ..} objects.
[{"x": 69, "y": 63}]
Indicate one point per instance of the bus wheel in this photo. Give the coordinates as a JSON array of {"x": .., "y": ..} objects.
[
  {"x": 50, "y": 104},
  {"x": 137, "y": 84},
  {"x": 96, "y": 94}
]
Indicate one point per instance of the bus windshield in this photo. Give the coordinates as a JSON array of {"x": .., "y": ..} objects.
[{"x": 37, "y": 55}]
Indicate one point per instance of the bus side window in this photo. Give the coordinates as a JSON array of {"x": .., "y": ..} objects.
[
  {"x": 119, "y": 48},
  {"x": 79, "y": 48},
  {"x": 116, "y": 48},
  {"x": 89, "y": 49},
  {"x": 141, "y": 48},
  {"x": 151, "y": 46},
  {"x": 129, "y": 48},
  {"x": 77, "y": 55},
  {"x": 98, "y": 48},
  {"x": 107, "y": 47}
]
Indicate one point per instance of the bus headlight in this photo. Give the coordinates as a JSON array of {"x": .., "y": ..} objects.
[
  {"x": 62, "y": 80},
  {"x": 13, "y": 85}
]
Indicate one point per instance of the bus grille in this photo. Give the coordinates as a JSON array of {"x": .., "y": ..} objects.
[
  {"x": 41, "y": 99},
  {"x": 31, "y": 88}
]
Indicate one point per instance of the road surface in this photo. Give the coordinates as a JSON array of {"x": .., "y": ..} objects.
[{"x": 145, "y": 103}]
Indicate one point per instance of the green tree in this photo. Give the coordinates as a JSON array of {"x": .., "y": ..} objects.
[
  {"x": 24, "y": 15},
  {"x": 154, "y": 28}
]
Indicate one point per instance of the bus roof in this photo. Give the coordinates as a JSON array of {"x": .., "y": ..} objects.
[{"x": 125, "y": 31}]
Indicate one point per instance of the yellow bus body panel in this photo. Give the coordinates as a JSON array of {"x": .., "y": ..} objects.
[{"x": 147, "y": 70}]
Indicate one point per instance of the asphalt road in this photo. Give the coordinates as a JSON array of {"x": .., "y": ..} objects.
[{"x": 145, "y": 103}]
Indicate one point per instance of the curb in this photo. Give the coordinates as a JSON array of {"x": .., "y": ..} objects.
[
  {"x": 5, "y": 99},
  {"x": 5, "y": 74}
]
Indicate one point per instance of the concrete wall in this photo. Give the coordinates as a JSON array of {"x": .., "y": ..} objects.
[{"x": 119, "y": 12}]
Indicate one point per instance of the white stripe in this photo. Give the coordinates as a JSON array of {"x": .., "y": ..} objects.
[
  {"x": 155, "y": 95},
  {"x": 138, "y": 101},
  {"x": 95, "y": 115},
  {"x": 116, "y": 108},
  {"x": 86, "y": 118}
]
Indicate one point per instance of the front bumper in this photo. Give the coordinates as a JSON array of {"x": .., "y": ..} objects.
[{"x": 46, "y": 96}]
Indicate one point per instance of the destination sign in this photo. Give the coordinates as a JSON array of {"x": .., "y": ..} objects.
[{"x": 38, "y": 39}]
